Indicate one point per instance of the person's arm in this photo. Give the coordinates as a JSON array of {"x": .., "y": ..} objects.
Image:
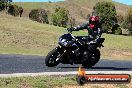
[
  {"x": 100, "y": 30},
  {"x": 97, "y": 34},
  {"x": 80, "y": 27}
]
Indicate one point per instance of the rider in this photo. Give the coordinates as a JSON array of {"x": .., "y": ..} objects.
[
  {"x": 94, "y": 30},
  {"x": 93, "y": 26}
]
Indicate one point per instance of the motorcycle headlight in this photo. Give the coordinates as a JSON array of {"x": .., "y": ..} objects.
[{"x": 63, "y": 41}]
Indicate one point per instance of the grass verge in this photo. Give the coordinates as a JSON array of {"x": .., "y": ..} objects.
[
  {"x": 37, "y": 82},
  {"x": 52, "y": 82}
]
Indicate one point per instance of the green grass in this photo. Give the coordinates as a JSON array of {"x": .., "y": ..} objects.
[
  {"x": 118, "y": 46},
  {"x": 37, "y": 82},
  {"x": 33, "y": 5},
  {"x": 118, "y": 42},
  {"x": 23, "y": 36},
  {"x": 68, "y": 81}
]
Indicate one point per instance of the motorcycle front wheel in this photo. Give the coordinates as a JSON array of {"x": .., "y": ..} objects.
[{"x": 52, "y": 59}]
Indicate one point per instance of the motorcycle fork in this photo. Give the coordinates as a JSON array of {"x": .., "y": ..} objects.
[{"x": 62, "y": 53}]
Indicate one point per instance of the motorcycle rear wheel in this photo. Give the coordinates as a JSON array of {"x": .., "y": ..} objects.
[{"x": 93, "y": 60}]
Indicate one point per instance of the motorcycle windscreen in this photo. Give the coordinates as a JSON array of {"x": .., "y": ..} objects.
[{"x": 66, "y": 40}]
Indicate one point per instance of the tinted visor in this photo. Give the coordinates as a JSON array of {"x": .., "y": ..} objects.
[{"x": 93, "y": 22}]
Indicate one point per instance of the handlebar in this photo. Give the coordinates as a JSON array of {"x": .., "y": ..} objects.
[{"x": 70, "y": 30}]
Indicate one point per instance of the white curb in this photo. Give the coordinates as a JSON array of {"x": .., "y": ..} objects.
[{"x": 62, "y": 73}]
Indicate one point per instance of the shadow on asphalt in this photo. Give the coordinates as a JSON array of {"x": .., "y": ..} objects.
[
  {"x": 102, "y": 68},
  {"x": 112, "y": 68}
]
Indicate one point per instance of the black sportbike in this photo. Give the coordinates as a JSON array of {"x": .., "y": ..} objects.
[{"x": 75, "y": 50}]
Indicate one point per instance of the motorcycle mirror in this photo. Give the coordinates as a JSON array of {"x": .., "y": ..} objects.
[{"x": 69, "y": 31}]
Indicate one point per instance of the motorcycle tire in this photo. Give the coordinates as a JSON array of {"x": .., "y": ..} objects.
[
  {"x": 50, "y": 59},
  {"x": 92, "y": 61}
]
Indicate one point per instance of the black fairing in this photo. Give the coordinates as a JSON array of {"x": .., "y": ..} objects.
[
  {"x": 100, "y": 40},
  {"x": 66, "y": 40},
  {"x": 68, "y": 37}
]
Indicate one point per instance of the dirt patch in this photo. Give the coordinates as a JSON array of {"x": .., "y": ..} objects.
[
  {"x": 122, "y": 54},
  {"x": 127, "y": 53},
  {"x": 112, "y": 53}
]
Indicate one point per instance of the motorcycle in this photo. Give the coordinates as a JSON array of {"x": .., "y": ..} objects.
[{"x": 75, "y": 50}]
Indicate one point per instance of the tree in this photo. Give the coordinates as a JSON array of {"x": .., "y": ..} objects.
[
  {"x": 3, "y": 0},
  {"x": 120, "y": 19},
  {"x": 4, "y": 4},
  {"x": 107, "y": 13},
  {"x": 13, "y": 10},
  {"x": 128, "y": 21},
  {"x": 60, "y": 17},
  {"x": 72, "y": 21},
  {"x": 39, "y": 15},
  {"x": 20, "y": 11},
  {"x": 10, "y": 0}
]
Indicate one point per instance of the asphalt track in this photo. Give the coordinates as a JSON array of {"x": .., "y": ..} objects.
[{"x": 34, "y": 64}]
